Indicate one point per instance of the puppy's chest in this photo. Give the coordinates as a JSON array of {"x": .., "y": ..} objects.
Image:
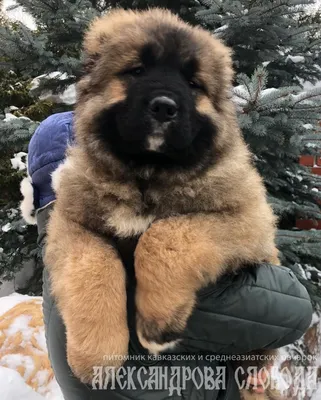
[
  {"x": 125, "y": 222},
  {"x": 133, "y": 218}
]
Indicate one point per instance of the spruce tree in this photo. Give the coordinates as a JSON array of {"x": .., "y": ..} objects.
[
  {"x": 275, "y": 123},
  {"x": 20, "y": 114},
  {"x": 19, "y": 118},
  {"x": 276, "y": 47},
  {"x": 18, "y": 240},
  {"x": 273, "y": 33}
]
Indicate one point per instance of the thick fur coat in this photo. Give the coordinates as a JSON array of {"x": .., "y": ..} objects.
[{"x": 185, "y": 186}]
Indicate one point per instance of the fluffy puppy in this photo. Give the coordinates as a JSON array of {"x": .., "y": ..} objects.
[{"x": 159, "y": 159}]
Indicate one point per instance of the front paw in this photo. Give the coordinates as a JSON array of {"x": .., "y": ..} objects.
[
  {"x": 160, "y": 330},
  {"x": 84, "y": 360},
  {"x": 82, "y": 364}
]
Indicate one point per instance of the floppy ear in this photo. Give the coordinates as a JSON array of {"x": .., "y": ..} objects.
[
  {"x": 224, "y": 64},
  {"x": 88, "y": 62}
]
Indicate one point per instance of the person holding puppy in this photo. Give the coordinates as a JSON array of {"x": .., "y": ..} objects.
[{"x": 257, "y": 308}]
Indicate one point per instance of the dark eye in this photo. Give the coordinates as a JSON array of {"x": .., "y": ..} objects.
[
  {"x": 137, "y": 71},
  {"x": 194, "y": 85}
]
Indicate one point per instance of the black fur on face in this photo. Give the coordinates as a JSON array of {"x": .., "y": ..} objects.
[{"x": 129, "y": 129}]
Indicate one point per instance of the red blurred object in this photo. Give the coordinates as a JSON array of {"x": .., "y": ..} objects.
[
  {"x": 306, "y": 224},
  {"x": 316, "y": 170},
  {"x": 307, "y": 161}
]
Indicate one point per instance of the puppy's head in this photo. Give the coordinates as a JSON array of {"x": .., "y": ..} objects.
[{"x": 154, "y": 90}]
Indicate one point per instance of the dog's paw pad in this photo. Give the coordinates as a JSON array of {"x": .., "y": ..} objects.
[
  {"x": 156, "y": 348},
  {"x": 154, "y": 338}
]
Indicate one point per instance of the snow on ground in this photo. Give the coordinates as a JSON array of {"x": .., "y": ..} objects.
[
  {"x": 317, "y": 394},
  {"x": 25, "y": 372},
  {"x": 13, "y": 386}
]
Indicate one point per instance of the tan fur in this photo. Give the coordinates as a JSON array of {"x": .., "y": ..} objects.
[
  {"x": 126, "y": 223},
  {"x": 270, "y": 394},
  {"x": 200, "y": 225},
  {"x": 88, "y": 280}
]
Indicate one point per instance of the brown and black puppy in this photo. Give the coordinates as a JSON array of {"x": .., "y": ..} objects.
[{"x": 159, "y": 157}]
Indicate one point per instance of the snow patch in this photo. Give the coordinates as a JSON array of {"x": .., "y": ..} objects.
[
  {"x": 308, "y": 126},
  {"x": 69, "y": 95},
  {"x": 241, "y": 89},
  {"x": 309, "y": 85},
  {"x": 18, "y": 14},
  {"x": 20, "y": 323},
  {"x": 315, "y": 319},
  {"x": 302, "y": 271},
  {"x": 221, "y": 28},
  {"x": 41, "y": 340},
  {"x": 240, "y": 95},
  {"x": 13, "y": 387},
  {"x": 295, "y": 59},
  {"x": 312, "y": 145},
  {"x": 7, "y": 227},
  {"x": 317, "y": 394},
  {"x": 9, "y": 117},
  {"x": 24, "y": 345},
  {"x": 17, "y": 163},
  {"x": 35, "y": 83},
  {"x": 268, "y": 91}
]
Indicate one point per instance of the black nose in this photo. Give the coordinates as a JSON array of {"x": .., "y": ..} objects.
[{"x": 163, "y": 108}]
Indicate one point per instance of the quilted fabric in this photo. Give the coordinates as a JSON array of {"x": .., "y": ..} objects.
[{"x": 46, "y": 151}]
